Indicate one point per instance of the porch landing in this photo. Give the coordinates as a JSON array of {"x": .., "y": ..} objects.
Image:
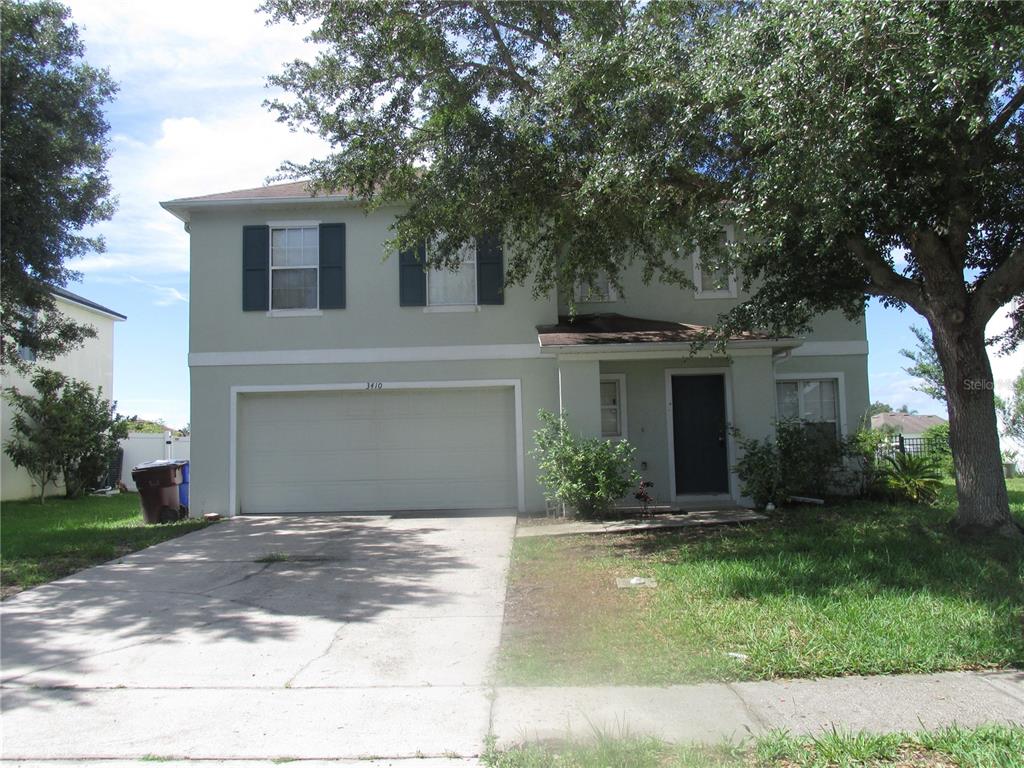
[{"x": 689, "y": 519}]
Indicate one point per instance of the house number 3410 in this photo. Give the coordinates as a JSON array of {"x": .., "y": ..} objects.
[{"x": 375, "y": 385}]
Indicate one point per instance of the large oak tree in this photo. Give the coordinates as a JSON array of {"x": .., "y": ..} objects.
[
  {"x": 866, "y": 149},
  {"x": 53, "y": 178}
]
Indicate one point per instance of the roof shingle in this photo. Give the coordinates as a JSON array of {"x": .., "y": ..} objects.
[{"x": 613, "y": 328}]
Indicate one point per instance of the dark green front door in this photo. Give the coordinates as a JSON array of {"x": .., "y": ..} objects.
[{"x": 699, "y": 434}]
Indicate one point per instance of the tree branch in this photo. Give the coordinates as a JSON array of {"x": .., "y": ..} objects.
[
  {"x": 885, "y": 280},
  {"x": 503, "y": 51},
  {"x": 1004, "y": 116},
  {"x": 999, "y": 286}
]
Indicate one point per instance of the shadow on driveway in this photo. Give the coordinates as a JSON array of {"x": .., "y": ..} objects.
[{"x": 261, "y": 602}]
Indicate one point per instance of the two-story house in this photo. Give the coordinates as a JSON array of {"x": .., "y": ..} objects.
[
  {"x": 327, "y": 378},
  {"x": 92, "y": 362}
]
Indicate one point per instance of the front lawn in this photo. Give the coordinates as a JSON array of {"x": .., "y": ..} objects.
[
  {"x": 985, "y": 747},
  {"x": 40, "y": 543},
  {"x": 860, "y": 588}
]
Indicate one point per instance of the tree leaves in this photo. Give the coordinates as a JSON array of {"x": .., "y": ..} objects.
[
  {"x": 599, "y": 135},
  {"x": 53, "y": 155}
]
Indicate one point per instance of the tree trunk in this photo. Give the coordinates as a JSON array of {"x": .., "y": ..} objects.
[{"x": 983, "y": 505}]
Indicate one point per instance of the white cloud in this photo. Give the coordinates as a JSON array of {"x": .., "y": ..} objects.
[
  {"x": 1005, "y": 368},
  {"x": 191, "y": 156},
  {"x": 166, "y": 295},
  {"x": 191, "y": 44},
  {"x": 190, "y": 116},
  {"x": 897, "y": 389}
]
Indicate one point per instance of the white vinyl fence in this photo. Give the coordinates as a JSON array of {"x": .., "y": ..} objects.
[{"x": 140, "y": 447}]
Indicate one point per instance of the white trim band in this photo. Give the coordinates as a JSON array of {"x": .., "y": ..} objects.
[
  {"x": 371, "y": 355},
  {"x": 826, "y": 348}
]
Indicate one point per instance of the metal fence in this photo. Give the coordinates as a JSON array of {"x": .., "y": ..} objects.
[{"x": 918, "y": 446}]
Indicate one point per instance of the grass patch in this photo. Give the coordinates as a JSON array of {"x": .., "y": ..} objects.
[
  {"x": 273, "y": 557},
  {"x": 41, "y": 543},
  {"x": 984, "y": 747},
  {"x": 859, "y": 588}
]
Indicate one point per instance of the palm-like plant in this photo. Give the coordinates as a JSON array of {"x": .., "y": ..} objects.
[{"x": 916, "y": 478}]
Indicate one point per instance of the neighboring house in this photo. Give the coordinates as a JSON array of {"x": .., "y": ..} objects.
[
  {"x": 906, "y": 424},
  {"x": 324, "y": 377},
  {"x": 93, "y": 362}
]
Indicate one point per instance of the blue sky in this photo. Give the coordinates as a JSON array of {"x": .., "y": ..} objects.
[{"x": 189, "y": 120}]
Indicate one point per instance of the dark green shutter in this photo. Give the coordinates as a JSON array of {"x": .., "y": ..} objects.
[
  {"x": 412, "y": 278},
  {"x": 332, "y": 266},
  {"x": 490, "y": 271},
  {"x": 256, "y": 268}
]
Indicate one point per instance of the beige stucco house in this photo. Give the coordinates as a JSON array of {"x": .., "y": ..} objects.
[
  {"x": 93, "y": 362},
  {"x": 325, "y": 377}
]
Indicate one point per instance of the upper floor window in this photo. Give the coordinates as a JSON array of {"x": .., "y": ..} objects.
[
  {"x": 449, "y": 288},
  {"x": 814, "y": 401},
  {"x": 294, "y": 267},
  {"x": 26, "y": 353},
  {"x": 601, "y": 290},
  {"x": 715, "y": 281}
]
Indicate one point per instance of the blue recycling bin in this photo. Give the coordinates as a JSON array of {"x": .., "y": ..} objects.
[{"x": 183, "y": 488}]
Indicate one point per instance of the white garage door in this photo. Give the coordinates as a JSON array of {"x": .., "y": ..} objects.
[{"x": 377, "y": 451}]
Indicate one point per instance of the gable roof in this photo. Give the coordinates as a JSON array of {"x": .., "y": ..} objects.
[
  {"x": 74, "y": 298},
  {"x": 291, "y": 191},
  {"x": 906, "y": 423}
]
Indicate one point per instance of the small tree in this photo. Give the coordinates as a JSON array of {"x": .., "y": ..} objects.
[
  {"x": 878, "y": 407},
  {"x": 926, "y": 366},
  {"x": 1011, "y": 411},
  {"x": 66, "y": 429},
  {"x": 37, "y": 442}
]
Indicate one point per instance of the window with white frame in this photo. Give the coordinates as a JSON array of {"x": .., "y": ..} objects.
[
  {"x": 815, "y": 401},
  {"x": 613, "y": 406},
  {"x": 294, "y": 268},
  {"x": 601, "y": 290},
  {"x": 449, "y": 288},
  {"x": 714, "y": 280}
]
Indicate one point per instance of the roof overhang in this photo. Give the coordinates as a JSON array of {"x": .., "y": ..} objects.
[
  {"x": 79, "y": 301},
  {"x": 604, "y": 336},
  {"x": 670, "y": 350},
  {"x": 182, "y": 209}
]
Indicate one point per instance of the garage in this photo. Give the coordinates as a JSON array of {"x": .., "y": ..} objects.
[{"x": 377, "y": 450}]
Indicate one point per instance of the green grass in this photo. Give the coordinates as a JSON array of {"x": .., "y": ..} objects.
[
  {"x": 860, "y": 588},
  {"x": 40, "y": 543},
  {"x": 984, "y": 747}
]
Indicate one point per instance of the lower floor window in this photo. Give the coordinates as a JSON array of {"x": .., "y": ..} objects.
[
  {"x": 814, "y": 401},
  {"x": 612, "y": 414}
]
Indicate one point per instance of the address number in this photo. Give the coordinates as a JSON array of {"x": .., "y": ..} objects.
[{"x": 375, "y": 385}]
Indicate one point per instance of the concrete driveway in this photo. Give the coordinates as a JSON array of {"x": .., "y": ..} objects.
[{"x": 316, "y": 637}]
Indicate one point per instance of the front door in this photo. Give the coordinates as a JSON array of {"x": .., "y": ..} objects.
[{"x": 699, "y": 434}]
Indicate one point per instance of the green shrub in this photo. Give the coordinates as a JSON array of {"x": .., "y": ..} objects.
[
  {"x": 587, "y": 474},
  {"x": 802, "y": 459},
  {"x": 914, "y": 478},
  {"x": 865, "y": 451},
  {"x": 938, "y": 447},
  {"x": 760, "y": 471}
]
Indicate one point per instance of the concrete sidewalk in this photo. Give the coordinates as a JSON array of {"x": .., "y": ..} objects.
[{"x": 712, "y": 712}]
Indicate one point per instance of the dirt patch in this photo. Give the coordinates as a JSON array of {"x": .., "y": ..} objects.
[
  {"x": 562, "y": 606},
  {"x": 10, "y": 590}
]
